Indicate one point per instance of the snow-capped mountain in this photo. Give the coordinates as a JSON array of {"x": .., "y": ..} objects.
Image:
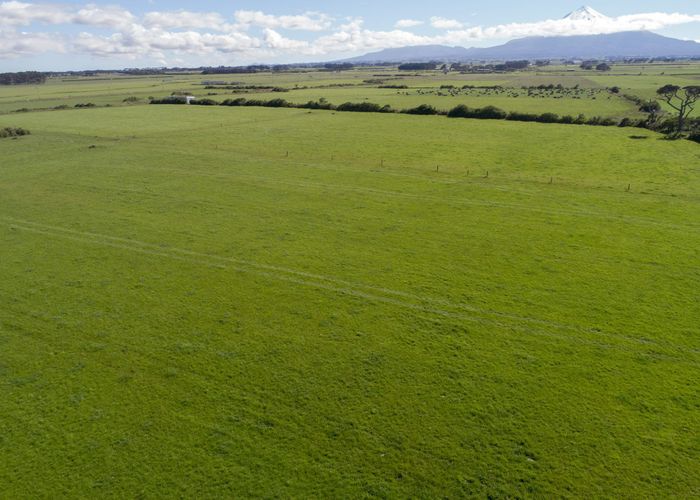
[
  {"x": 585, "y": 13},
  {"x": 620, "y": 44},
  {"x": 626, "y": 44}
]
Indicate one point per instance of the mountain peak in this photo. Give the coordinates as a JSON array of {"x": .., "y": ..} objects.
[{"x": 585, "y": 13}]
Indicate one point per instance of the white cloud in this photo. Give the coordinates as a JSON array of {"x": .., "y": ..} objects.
[
  {"x": 276, "y": 41},
  {"x": 565, "y": 27},
  {"x": 407, "y": 23},
  {"x": 184, "y": 19},
  {"x": 155, "y": 43},
  {"x": 311, "y": 21},
  {"x": 22, "y": 14},
  {"x": 254, "y": 36},
  {"x": 110, "y": 17},
  {"x": 445, "y": 24},
  {"x": 16, "y": 44}
]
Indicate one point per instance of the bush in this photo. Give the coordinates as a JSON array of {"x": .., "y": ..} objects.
[
  {"x": 568, "y": 119},
  {"x": 131, "y": 99},
  {"x": 516, "y": 116},
  {"x": 234, "y": 102},
  {"x": 277, "y": 103},
  {"x": 205, "y": 102},
  {"x": 695, "y": 137},
  {"x": 487, "y": 113},
  {"x": 418, "y": 67},
  {"x": 548, "y": 118},
  {"x": 490, "y": 113},
  {"x": 13, "y": 132},
  {"x": 317, "y": 105},
  {"x": 86, "y": 105},
  {"x": 365, "y": 107},
  {"x": 461, "y": 111},
  {"x": 600, "y": 121},
  {"x": 423, "y": 109},
  {"x": 168, "y": 100},
  {"x": 626, "y": 122}
]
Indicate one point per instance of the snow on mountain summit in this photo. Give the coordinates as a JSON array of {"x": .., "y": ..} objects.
[{"x": 585, "y": 13}]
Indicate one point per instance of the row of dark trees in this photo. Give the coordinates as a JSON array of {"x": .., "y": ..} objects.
[
  {"x": 589, "y": 65},
  {"x": 681, "y": 99},
  {"x": 460, "y": 111},
  {"x": 429, "y": 66},
  {"x": 22, "y": 78}
]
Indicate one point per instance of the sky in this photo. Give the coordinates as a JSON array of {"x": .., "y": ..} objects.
[{"x": 57, "y": 36}]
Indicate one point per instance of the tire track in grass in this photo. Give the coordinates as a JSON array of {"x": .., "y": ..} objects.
[
  {"x": 683, "y": 269},
  {"x": 430, "y": 198},
  {"x": 397, "y": 298}
]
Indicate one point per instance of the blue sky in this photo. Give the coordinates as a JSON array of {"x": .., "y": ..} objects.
[{"x": 116, "y": 34}]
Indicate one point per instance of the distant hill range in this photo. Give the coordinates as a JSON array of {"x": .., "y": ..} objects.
[{"x": 617, "y": 45}]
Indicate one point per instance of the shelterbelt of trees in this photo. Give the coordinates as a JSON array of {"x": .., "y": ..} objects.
[
  {"x": 652, "y": 122},
  {"x": 22, "y": 78}
]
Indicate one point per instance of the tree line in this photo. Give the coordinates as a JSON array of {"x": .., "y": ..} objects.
[
  {"x": 460, "y": 111},
  {"x": 681, "y": 99},
  {"x": 22, "y": 78}
]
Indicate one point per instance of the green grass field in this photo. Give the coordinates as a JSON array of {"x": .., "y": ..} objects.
[
  {"x": 360, "y": 85},
  {"x": 233, "y": 302}
]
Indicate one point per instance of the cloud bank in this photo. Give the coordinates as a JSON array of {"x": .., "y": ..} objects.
[{"x": 244, "y": 36}]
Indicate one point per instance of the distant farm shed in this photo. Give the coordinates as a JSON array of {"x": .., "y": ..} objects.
[{"x": 187, "y": 99}]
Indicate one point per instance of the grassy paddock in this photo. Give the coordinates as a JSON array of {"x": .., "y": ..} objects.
[
  {"x": 361, "y": 84},
  {"x": 272, "y": 302}
]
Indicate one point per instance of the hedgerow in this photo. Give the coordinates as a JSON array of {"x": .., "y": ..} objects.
[{"x": 460, "y": 111}]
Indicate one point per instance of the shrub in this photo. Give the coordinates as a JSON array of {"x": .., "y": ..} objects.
[
  {"x": 86, "y": 105},
  {"x": 626, "y": 122},
  {"x": 131, "y": 99},
  {"x": 516, "y": 116},
  {"x": 240, "y": 101},
  {"x": 205, "y": 102},
  {"x": 461, "y": 111},
  {"x": 548, "y": 118},
  {"x": 417, "y": 67},
  {"x": 600, "y": 121},
  {"x": 168, "y": 100},
  {"x": 568, "y": 119},
  {"x": 490, "y": 113},
  {"x": 13, "y": 132},
  {"x": 321, "y": 104},
  {"x": 277, "y": 103},
  {"x": 364, "y": 107},
  {"x": 695, "y": 137},
  {"x": 423, "y": 109},
  {"x": 487, "y": 113}
]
